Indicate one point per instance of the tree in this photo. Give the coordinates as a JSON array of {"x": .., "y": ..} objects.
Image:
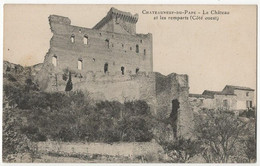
[
  {"x": 250, "y": 148},
  {"x": 69, "y": 85},
  {"x": 220, "y": 133},
  {"x": 14, "y": 142},
  {"x": 30, "y": 85},
  {"x": 181, "y": 149}
]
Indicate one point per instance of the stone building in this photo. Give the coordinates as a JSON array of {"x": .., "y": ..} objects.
[
  {"x": 112, "y": 62},
  {"x": 234, "y": 98},
  {"x": 111, "y": 46}
]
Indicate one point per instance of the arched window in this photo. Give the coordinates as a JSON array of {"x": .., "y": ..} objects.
[
  {"x": 106, "y": 68},
  {"x": 123, "y": 70},
  {"x": 137, "y": 48},
  {"x": 85, "y": 40},
  {"x": 107, "y": 43},
  {"x": 72, "y": 39},
  {"x": 54, "y": 60},
  {"x": 136, "y": 70},
  {"x": 80, "y": 64}
]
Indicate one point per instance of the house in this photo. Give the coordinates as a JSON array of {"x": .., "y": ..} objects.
[{"x": 236, "y": 98}]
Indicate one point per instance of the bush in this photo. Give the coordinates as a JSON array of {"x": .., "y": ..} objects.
[
  {"x": 11, "y": 78},
  {"x": 33, "y": 133},
  {"x": 14, "y": 141},
  {"x": 181, "y": 149},
  {"x": 250, "y": 113},
  {"x": 70, "y": 116},
  {"x": 221, "y": 134}
]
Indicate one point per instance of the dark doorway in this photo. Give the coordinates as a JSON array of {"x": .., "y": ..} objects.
[
  {"x": 174, "y": 116},
  {"x": 107, "y": 43},
  {"x": 137, "y": 48},
  {"x": 123, "y": 70},
  {"x": 136, "y": 70},
  {"x": 106, "y": 68}
]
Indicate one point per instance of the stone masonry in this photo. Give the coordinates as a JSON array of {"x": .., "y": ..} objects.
[{"x": 112, "y": 62}]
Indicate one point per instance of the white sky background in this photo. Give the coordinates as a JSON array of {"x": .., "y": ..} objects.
[{"x": 212, "y": 53}]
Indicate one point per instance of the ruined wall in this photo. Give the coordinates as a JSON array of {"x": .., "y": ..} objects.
[
  {"x": 117, "y": 50},
  {"x": 175, "y": 87},
  {"x": 67, "y": 47},
  {"x": 123, "y": 149},
  {"x": 154, "y": 88}
]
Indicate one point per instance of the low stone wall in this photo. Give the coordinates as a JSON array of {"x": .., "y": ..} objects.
[{"x": 115, "y": 149}]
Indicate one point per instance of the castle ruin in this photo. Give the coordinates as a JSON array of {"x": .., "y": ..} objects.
[{"x": 112, "y": 62}]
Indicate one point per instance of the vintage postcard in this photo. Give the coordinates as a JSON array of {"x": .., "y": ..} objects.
[{"x": 129, "y": 83}]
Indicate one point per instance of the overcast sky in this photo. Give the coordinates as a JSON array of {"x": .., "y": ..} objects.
[{"x": 212, "y": 53}]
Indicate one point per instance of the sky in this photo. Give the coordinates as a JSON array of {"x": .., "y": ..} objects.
[{"x": 212, "y": 53}]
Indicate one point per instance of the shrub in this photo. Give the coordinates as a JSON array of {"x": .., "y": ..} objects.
[
  {"x": 104, "y": 122},
  {"x": 220, "y": 133},
  {"x": 11, "y": 78},
  {"x": 14, "y": 141},
  {"x": 181, "y": 149},
  {"x": 71, "y": 116}
]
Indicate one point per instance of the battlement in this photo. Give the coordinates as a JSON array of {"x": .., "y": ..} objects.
[
  {"x": 117, "y": 14},
  {"x": 92, "y": 76}
]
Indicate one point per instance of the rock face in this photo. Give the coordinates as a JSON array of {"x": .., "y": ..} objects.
[
  {"x": 11, "y": 68},
  {"x": 112, "y": 62}
]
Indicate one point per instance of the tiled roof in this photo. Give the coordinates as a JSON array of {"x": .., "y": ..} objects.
[
  {"x": 211, "y": 93},
  {"x": 228, "y": 90},
  {"x": 200, "y": 96},
  {"x": 239, "y": 87}
]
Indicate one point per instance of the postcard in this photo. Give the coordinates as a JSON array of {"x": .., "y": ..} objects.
[{"x": 129, "y": 83}]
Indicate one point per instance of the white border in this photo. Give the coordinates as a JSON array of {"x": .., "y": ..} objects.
[{"x": 184, "y": 2}]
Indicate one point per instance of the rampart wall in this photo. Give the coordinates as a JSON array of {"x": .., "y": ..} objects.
[{"x": 156, "y": 89}]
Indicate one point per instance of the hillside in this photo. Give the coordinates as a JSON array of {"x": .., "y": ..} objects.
[{"x": 18, "y": 70}]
